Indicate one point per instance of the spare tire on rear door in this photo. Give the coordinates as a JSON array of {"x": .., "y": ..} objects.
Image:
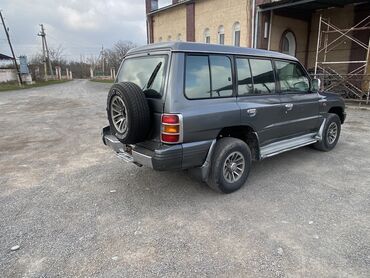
[{"x": 128, "y": 113}]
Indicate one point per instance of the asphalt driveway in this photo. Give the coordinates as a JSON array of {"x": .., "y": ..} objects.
[{"x": 75, "y": 210}]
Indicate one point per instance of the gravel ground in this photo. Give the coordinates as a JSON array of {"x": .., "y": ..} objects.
[{"x": 75, "y": 210}]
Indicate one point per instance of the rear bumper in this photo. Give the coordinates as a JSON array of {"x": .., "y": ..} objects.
[{"x": 159, "y": 157}]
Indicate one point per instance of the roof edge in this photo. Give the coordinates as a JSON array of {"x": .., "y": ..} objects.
[{"x": 196, "y": 47}]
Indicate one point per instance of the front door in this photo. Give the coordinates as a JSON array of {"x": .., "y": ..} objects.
[{"x": 300, "y": 107}]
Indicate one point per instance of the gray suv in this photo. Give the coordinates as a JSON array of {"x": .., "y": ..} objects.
[{"x": 213, "y": 109}]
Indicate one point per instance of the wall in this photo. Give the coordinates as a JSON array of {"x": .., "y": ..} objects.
[
  {"x": 342, "y": 18},
  {"x": 7, "y": 75},
  {"x": 170, "y": 22},
  {"x": 298, "y": 27},
  {"x": 213, "y": 13},
  {"x": 208, "y": 14}
]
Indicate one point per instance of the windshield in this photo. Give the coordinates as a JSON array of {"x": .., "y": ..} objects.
[{"x": 140, "y": 71}]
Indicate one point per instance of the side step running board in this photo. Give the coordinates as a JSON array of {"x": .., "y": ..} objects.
[{"x": 287, "y": 145}]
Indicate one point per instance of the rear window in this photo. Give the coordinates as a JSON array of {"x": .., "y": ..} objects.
[
  {"x": 208, "y": 76},
  {"x": 141, "y": 69}
]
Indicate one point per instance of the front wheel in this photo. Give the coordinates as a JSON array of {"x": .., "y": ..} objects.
[
  {"x": 330, "y": 135},
  {"x": 230, "y": 165}
]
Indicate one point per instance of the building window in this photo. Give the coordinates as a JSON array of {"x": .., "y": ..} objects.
[
  {"x": 207, "y": 36},
  {"x": 266, "y": 30},
  {"x": 236, "y": 34},
  {"x": 179, "y": 37},
  {"x": 288, "y": 43},
  {"x": 169, "y": 38},
  {"x": 221, "y": 35}
]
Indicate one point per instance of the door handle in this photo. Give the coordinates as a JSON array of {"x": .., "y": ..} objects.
[
  {"x": 252, "y": 112},
  {"x": 289, "y": 106}
]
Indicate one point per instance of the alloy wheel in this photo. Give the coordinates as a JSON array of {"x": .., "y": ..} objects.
[
  {"x": 234, "y": 166},
  {"x": 332, "y": 133},
  {"x": 119, "y": 114}
]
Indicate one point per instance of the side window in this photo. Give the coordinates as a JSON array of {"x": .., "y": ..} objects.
[
  {"x": 245, "y": 82},
  {"x": 197, "y": 77},
  {"x": 222, "y": 84},
  {"x": 200, "y": 70},
  {"x": 263, "y": 76},
  {"x": 291, "y": 77}
]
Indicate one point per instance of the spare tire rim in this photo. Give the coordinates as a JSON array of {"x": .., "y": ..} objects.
[
  {"x": 234, "y": 167},
  {"x": 332, "y": 133},
  {"x": 118, "y": 112}
]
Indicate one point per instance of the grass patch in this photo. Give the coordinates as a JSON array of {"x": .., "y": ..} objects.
[
  {"x": 14, "y": 86},
  {"x": 102, "y": 81}
]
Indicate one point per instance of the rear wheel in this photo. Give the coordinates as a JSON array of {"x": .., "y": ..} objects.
[
  {"x": 330, "y": 135},
  {"x": 230, "y": 165}
]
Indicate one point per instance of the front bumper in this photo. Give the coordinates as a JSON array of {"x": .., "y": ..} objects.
[{"x": 157, "y": 155}]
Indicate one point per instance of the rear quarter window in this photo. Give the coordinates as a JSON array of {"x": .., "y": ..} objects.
[
  {"x": 197, "y": 77},
  {"x": 208, "y": 76}
]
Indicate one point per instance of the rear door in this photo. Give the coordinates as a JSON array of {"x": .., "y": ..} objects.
[
  {"x": 258, "y": 97},
  {"x": 139, "y": 68},
  {"x": 300, "y": 114},
  {"x": 209, "y": 102}
]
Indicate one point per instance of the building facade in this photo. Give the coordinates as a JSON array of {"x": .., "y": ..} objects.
[
  {"x": 328, "y": 37},
  {"x": 211, "y": 21}
]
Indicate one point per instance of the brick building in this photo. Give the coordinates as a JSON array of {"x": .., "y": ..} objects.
[
  {"x": 213, "y": 21},
  {"x": 329, "y": 36}
]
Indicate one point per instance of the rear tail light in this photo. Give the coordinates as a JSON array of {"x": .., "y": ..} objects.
[{"x": 171, "y": 132}]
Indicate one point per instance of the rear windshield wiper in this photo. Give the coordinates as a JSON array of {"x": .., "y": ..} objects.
[{"x": 152, "y": 76}]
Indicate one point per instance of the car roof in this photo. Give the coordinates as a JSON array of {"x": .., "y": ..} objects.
[{"x": 209, "y": 48}]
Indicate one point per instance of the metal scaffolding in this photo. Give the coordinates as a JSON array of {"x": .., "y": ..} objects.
[{"x": 350, "y": 78}]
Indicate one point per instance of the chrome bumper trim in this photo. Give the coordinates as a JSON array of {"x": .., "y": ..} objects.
[
  {"x": 137, "y": 158},
  {"x": 142, "y": 159}
]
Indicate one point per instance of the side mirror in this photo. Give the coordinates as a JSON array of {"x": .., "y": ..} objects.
[{"x": 315, "y": 85}]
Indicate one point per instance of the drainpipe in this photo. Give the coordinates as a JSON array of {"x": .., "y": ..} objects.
[
  {"x": 252, "y": 22},
  {"x": 256, "y": 19},
  {"x": 270, "y": 27}
]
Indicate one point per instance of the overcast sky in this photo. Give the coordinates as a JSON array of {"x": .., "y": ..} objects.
[{"x": 80, "y": 26}]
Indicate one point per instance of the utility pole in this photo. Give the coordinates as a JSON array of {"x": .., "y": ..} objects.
[
  {"x": 81, "y": 66},
  {"x": 11, "y": 49},
  {"x": 44, "y": 56},
  {"x": 102, "y": 59},
  {"x": 45, "y": 52}
]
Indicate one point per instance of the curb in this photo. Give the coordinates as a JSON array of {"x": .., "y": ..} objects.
[{"x": 357, "y": 107}]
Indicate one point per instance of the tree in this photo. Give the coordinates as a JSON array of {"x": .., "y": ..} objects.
[
  {"x": 112, "y": 58},
  {"x": 115, "y": 55},
  {"x": 56, "y": 55},
  {"x": 56, "y": 59}
]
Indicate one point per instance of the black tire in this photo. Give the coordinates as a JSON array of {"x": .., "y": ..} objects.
[
  {"x": 327, "y": 144},
  {"x": 137, "y": 113},
  {"x": 224, "y": 148}
]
